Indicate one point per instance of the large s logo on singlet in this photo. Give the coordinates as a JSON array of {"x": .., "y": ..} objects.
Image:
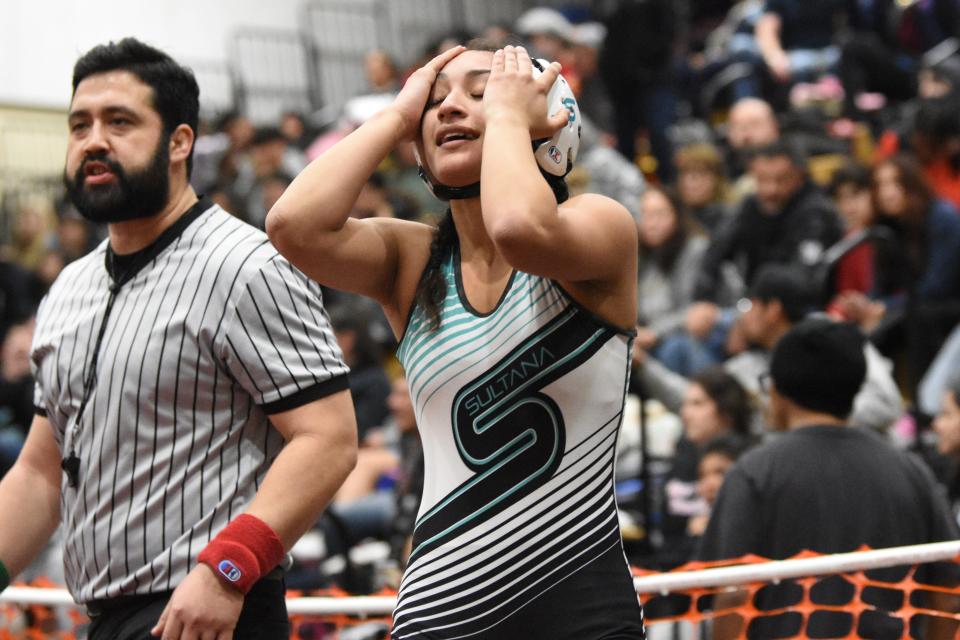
[{"x": 507, "y": 431}]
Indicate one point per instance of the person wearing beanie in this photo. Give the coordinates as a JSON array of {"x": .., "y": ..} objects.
[{"x": 822, "y": 486}]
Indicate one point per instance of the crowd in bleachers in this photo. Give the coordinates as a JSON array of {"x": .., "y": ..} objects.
[{"x": 781, "y": 158}]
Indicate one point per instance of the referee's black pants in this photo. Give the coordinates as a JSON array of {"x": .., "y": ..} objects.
[{"x": 263, "y": 617}]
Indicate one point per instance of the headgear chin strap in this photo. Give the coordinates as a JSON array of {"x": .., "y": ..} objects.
[
  {"x": 444, "y": 192},
  {"x": 555, "y": 155}
]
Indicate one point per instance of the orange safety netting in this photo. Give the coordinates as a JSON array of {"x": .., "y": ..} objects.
[
  {"x": 922, "y": 601},
  {"x": 36, "y": 622}
]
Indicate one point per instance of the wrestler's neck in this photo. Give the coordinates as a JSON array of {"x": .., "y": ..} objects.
[
  {"x": 475, "y": 242},
  {"x": 133, "y": 235}
]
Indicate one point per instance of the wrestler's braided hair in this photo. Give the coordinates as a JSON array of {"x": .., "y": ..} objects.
[{"x": 432, "y": 288}]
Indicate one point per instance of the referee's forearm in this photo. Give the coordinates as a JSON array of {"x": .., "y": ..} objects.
[
  {"x": 305, "y": 476},
  {"x": 29, "y": 514}
]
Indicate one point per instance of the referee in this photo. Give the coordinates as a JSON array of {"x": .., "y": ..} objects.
[{"x": 192, "y": 409}]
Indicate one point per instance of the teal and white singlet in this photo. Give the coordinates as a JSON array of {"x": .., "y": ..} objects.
[{"x": 518, "y": 411}]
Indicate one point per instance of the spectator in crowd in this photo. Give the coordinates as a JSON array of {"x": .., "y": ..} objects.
[
  {"x": 874, "y": 62},
  {"x": 33, "y": 226},
  {"x": 788, "y": 221},
  {"x": 924, "y": 25},
  {"x": 723, "y": 70},
  {"x": 369, "y": 385},
  {"x": 270, "y": 155},
  {"x": 920, "y": 308},
  {"x": 854, "y": 270},
  {"x": 671, "y": 251},
  {"x": 50, "y": 266},
  {"x": 939, "y": 77},
  {"x": 944, "y": 369},
  {"x": 15, "y": 297},
  {"x": 75, "y": 236},
  {"x": 272, "y": 187},
  {"x": 443, "y": 42},
  {"x": 780, "y": 297},
  {"x": 636, "y": 67},
  {"x": 295, "y": 129},
  {"x": 16, "y": 392},
  {"x": 947, "y": 427},
  {"x": 716, "y": 458},
  {"x": 218, "y": 155},
  {"x": 381, "y": 72},
  {"x": 403, "y": 179},
  {"x": 383, "y": 82},
  {"x": 823, "y": 486},
  {"x": 593, "y": 99},
  {"x": 377, "y": 200},
  {"x": 796, "y": 38},
  {"x": 751, "y": 124},
  {"x": 497, "y": 33},
  {"x": 702, "y": 19},
  {"x": 929, "y": 126},
  {"x": 715, "y": 405},
  {"x": 702, "y": 185},
  {"x": 600, "y": 169},
  {"x": 549, "y": 35},
  {"x": 936, "y": 144}
]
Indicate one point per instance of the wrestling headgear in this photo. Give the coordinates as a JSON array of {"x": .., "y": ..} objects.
[{"x": 555, "y": 155}]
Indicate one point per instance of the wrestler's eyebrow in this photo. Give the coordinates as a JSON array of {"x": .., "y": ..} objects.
[{"x": 473, "y": 73}]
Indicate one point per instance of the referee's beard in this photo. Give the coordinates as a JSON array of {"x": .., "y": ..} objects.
[{"x": 137, "y": 194}]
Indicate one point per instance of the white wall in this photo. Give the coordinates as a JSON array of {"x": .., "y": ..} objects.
[{"x": 41, "y": 39}]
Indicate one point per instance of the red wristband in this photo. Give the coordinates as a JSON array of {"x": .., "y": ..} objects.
[{"x": 243, "y": 551}]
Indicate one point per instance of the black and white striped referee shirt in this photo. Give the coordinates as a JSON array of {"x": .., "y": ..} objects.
[{"x": 211, "y": 332}]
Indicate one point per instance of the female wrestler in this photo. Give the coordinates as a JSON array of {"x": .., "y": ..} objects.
[{"x": 515, "y": 318}]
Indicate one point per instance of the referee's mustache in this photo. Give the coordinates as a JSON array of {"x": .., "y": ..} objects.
[{"x": 101, "y": 157}]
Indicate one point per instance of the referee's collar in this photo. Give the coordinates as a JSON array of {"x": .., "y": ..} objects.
[{"x": 122, "y": 269}]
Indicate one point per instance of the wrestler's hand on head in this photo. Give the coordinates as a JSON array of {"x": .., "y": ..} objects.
[
  {"x": 412, "y": 99},
  {"x": 203, "y": 607},
  {"x": 512, "y": 96}
]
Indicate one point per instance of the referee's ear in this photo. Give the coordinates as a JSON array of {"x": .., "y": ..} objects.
[{"x": 181, "y": 143}]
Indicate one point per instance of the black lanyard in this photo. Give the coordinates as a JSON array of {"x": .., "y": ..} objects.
[
  {"x": 132, "y": 265},
  {"x": 71, "y": 464}
]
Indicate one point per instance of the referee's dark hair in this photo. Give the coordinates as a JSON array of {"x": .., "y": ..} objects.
[{"x": 176, "y": 95}]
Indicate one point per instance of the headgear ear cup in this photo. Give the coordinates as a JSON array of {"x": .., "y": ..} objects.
[{"x": 557, "y": 154}]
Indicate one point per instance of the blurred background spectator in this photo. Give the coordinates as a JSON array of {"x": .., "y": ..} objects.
[
  {"x": 16, "y": 392},
  {"x": 715, "y": 407}
]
